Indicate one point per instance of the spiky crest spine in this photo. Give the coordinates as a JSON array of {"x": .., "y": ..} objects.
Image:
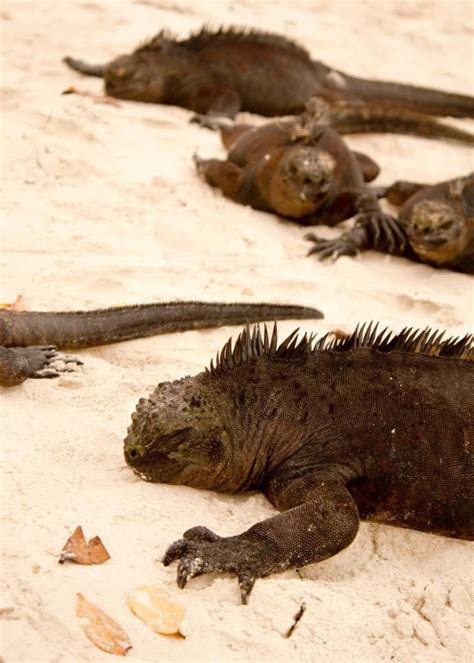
[
  {"x": 250, "y": 344},
  {"x": 207, "y": 35}
]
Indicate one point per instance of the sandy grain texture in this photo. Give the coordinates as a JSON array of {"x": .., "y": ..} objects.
[{"x": 101, "y": 206}]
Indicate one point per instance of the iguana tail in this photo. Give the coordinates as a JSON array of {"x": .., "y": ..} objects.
[
  {"x": 352, "y": 117},
  {"x": 424, "y": 100},
  {"x": 82, "y": 329},
  {"x": 84, "y": 68}
]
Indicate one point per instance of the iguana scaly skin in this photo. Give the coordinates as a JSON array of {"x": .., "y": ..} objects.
[
  {"x": 358, "y": 117},
  {"x": 300, "y": 169},
  {"x": 231, "y": 69},
  {"x": 437, "y": 222},
  {"x": 376, "y": 426},
  {"x": 23, "y": 334}
]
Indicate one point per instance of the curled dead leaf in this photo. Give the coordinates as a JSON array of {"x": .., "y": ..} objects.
[
  {"x": 339, "y": 334},
  {"x": 78, "y": 550},
  {"x": 152, "y": 606},
  {"x": 16, "y": 305},
  {"x": 101, "y": 629}
]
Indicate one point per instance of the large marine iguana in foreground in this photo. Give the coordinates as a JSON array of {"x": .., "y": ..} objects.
[
  {"x": 437, "y": 223},
  {"x": 376, "y": 426},
  {"x": 224, "y": 71},
  {"x": 28, "y": 339}
]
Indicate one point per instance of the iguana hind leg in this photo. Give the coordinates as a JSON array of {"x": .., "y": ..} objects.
[
  {"x": 17, "y": 364},
  {"x": 399, "y": 192}
]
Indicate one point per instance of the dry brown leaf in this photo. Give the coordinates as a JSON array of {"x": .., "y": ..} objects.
[
  {"x": 77, "y": 550},
  {"x": 101, "y": 629},
  {"x": 97, "y": 551},
  {"x": 340, "y": 334},
  {"x": 153, "y": 607},
  {"x": 17, "y": 305}
]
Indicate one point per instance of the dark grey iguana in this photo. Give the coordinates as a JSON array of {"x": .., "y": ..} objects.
[
  {"x": 437, "y": 222},
  {"x": 376, "y": 426},
  {"x": 28, "y": 339},
  {"x": 224, "y": 71}
]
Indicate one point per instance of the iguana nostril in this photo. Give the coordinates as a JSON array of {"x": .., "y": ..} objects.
[{"x": 133, "y": 453}]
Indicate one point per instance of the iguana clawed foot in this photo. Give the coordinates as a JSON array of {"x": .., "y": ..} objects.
[
  {"x": 19, "y": 363},
  {"x": 372, "y": 230},
  {"x": 46, "y": 362},
  {"x": 201, "y": 551},
  {"x": 331, "y": 248}
]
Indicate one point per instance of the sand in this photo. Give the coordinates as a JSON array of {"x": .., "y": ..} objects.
[{"x": 101, "y": 206}]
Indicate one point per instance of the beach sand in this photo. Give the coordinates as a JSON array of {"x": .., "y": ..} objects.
[{"x": 102, "y": 206}]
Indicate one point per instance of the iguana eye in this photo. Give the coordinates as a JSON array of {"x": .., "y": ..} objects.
[{"x": 446, "y": 225}]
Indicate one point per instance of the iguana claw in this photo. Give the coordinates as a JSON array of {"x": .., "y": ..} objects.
[{"x": 201, "y": 551}]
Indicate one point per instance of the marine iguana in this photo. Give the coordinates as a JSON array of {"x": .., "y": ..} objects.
[
  {"x": 437, "y": 222},
  {"x": 221, "y": 72},
  {"x": 301, "y": 169},
  {"x": 376, "y": 426},
  {"x": 28, "y": 339}
]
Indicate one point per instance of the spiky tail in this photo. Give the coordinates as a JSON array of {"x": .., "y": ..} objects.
[
  {"x": 425, "y": 100},
  {"x": 82, "y": 329},
  {"x": 349, "y": 117},
  {"x": 84, "y": 68}
]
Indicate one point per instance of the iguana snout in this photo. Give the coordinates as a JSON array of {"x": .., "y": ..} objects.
[
  {"x": 133, "y": 77},
  {"x": 309, "y": 170},
  {"x": 175, "y": 437},
  {"x": 436, "y": 230}
]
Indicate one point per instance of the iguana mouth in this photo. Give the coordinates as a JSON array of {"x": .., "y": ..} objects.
[{"x": 144, "y": 476}]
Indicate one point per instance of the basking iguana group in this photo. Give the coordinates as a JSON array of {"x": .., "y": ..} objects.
[
  {"x": 298, "y": 168},
  {"x": 375, "y": 425}
]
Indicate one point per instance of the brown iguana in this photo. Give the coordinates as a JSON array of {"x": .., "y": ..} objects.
[
  {"x": 301, "y": 169},
  {"x": 28, "y": 339},
  {"x": 437, "y": 222},
  {"x": 376, "y": 426},
  {"x": 221, "y": 72}
]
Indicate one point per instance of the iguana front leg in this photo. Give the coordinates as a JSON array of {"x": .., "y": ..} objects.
[
  {"x": 373, "y": 229},
  {"x": 325, "y": 523},
  {"x": 222, "y": 174},
  {"x": 384, "y": 235}
]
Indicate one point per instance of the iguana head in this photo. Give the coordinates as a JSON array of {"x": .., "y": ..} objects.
[
  {"x": 135, "y": 77},
  {"x": 437, "y": 231},
  {"x": 175, "y": 437},
  {"x": 305, "y": 175}
]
